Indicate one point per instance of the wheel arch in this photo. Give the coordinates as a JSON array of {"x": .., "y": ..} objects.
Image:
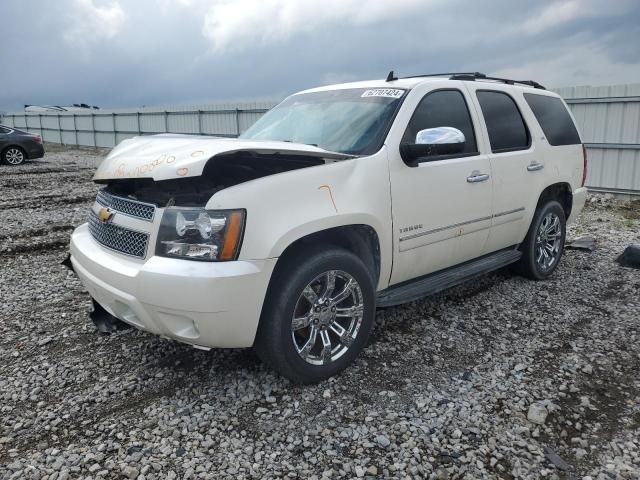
[
  {"x": 359, "y": 239},
  {"x": 562, "y": 192}
]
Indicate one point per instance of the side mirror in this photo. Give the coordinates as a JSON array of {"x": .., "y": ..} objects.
[{"x": 433, "y": 142}]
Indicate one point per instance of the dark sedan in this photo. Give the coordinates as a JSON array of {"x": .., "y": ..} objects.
[{"x": 16, "y": 146}]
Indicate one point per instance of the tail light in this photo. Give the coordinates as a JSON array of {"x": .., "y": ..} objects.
[
  {"x": 37, "y": 138},
  {"x": 584, "y": 170}
]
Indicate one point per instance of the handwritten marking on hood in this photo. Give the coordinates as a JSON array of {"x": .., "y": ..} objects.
[
  {"x": 197, "y": 153},
  {"x": 122, "y": 171},
  {"x": 182, "y": 171}
]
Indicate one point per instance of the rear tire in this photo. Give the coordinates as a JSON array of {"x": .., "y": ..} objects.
[
  {"x": 13, "y": 156},
  {"x": 317, "y": 316},
  {"x": 543, "y": 246}
]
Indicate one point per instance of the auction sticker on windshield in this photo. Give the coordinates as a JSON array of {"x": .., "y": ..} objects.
[{"x": 383, "y": 92}]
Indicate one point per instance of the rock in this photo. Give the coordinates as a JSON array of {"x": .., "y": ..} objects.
[
  {"x": 554, "y": 458},
  {"x": 583, "y": 243},
  {"x": 383, "y": 441},
  {"x": 630, "y": 257},
  {"x": 537, "y": 413},
  {"x": 130, "y": 472}
]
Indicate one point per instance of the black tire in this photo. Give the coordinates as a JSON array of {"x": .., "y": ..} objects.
[
  {"x": 9, "y": 151},
  {"x": 275, "y": 337},
  {"x": 529, "y": 264}
]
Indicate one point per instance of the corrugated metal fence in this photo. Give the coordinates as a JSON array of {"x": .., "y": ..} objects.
[
  {"x": 609, "y": 120},
  {"x": 608, "y": 117},
  {"x": 107, "y": 128}
]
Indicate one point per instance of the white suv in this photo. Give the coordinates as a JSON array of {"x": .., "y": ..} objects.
[{"x": 340, "y": 199}]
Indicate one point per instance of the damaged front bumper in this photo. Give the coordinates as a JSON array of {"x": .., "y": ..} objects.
[{"x": 206, "y": 304}]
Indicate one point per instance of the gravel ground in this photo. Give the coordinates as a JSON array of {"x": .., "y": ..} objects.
[{"x": 502, "y": 378}]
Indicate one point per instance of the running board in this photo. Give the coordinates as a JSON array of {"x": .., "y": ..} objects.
[{"x": 436, "y": 282}]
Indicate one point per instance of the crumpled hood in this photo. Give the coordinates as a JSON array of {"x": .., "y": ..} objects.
[{"x": 169, "y": 156}]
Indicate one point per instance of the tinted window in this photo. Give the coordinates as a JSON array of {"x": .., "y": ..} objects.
[
  {"x": 442, "y": 108},
  {"x": 554, "y": 119},
  {"x": 507, "y": 130}
]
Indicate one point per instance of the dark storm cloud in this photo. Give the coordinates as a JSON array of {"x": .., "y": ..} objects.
[{"x": 154, "y": 52}]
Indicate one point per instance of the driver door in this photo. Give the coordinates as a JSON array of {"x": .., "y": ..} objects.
[{"x": 442, "y": 206}]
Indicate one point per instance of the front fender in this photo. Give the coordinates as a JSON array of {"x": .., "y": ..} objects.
[{"x": 285, "y": 207}]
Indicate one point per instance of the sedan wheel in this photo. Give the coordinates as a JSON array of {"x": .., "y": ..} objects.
[{"x": 14, "y": 156}]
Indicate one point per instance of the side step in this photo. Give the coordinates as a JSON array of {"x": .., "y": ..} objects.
[{"x": 436, "y": 282}]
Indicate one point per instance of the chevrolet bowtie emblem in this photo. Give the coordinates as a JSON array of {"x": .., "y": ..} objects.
[{"x": 105, "y": 215}]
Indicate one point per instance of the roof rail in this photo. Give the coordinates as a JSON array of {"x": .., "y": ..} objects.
[
  {"x": 482, "y": 76},
  {"x": 473, "y": 76},
  {"x": 449, "y": 74}
]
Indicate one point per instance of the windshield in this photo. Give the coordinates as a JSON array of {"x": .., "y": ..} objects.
[{"x": 352, "y": 121}]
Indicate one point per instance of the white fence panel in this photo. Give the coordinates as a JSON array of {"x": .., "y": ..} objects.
[
  {"x": 107, "y": 128},
  {"x": 609, "y": 120}
]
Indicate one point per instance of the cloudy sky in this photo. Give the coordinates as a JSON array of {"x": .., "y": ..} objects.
[{"x": 160, "y": 52}]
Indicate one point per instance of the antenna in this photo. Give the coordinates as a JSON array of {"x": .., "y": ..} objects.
[{"x": 391, "y": 77}]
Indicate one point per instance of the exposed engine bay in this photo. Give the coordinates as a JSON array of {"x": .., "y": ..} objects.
[{"x": 220, "y": 172}]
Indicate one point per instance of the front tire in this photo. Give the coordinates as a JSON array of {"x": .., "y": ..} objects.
[
  {"x": 543, "y": 246},
  {"x": 13, "y": 156},
  {"x": 318, "y": 314}
]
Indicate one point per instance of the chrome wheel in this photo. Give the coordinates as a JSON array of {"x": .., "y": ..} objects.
[
  {"x": 14, "y": 156},
  {"x": 548, "y": 241},
  {"x": 327, "y": 317}
]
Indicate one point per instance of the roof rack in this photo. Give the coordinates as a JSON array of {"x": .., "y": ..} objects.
[{"x": 473, "y": 76}]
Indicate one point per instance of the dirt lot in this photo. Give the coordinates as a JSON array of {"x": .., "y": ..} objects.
[{"x": 443, "y": 390}]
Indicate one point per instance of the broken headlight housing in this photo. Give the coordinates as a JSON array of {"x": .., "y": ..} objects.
[{"x": 199, "y": 234}]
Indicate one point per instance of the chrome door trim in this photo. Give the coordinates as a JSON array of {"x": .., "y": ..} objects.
[
  {"x": 456, "y": 225},
  {"x": 509, "y": 212},
  {"x": 440, "y": 229}
]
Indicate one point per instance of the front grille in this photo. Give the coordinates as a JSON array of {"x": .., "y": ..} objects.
[
  {"x": 118, "y": 238},
  {"x": 133, "y": 208}
]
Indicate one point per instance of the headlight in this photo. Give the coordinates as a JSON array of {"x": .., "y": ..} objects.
[{"x": 199, "y": 234}]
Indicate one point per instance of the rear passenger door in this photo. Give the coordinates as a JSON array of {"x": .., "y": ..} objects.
[{"x": 516, "y": 164}]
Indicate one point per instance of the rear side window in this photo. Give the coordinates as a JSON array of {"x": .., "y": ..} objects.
[
  {"x": 506, "y": 127},
  {"x": 554, "y": 119},
  {"x": 443, "y": 108}
]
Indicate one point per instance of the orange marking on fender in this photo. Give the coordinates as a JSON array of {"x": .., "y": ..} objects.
[{"x": 330, "y": 195}]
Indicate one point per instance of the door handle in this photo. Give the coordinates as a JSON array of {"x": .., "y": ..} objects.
[
  {"x": 533, "y": 167},
  {"x": 476, "y": 177}
]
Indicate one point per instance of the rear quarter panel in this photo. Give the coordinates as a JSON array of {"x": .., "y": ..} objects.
[{"x": 563, "y": 163}]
